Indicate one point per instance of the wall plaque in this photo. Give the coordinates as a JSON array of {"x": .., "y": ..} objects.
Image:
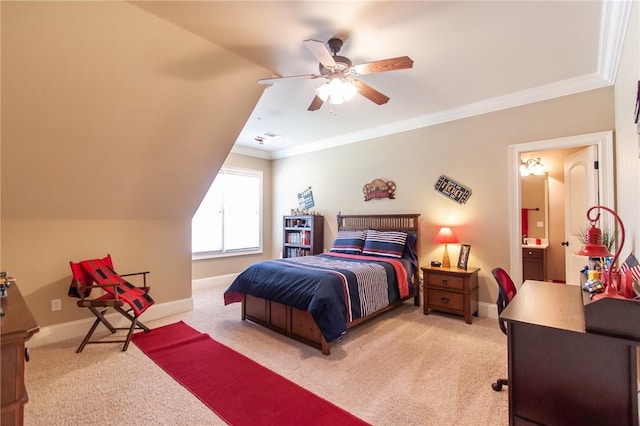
[
  {"x": 379, "y": 188},
  {"x": 305, "y": 199},
  {"x": 452, "y": 189}
]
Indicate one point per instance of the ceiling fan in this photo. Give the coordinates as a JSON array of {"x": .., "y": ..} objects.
[{"x": 340, "y": 73}]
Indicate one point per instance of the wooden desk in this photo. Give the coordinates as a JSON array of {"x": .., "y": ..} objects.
[
  {"x": 559, "y": 374},
  {"x": 17, "y": 325}
]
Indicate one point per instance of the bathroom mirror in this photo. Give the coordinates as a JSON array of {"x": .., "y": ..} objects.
[{"x": 535, "y": 206}]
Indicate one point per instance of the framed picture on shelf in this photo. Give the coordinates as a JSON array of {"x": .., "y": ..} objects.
[{"x": 464, "y": 256}]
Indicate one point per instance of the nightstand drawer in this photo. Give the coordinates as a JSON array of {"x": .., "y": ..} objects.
[
  {"x": 446, "y": 300},
  {"x": 445, "y": 281}
]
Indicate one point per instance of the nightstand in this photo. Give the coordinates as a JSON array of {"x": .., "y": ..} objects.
[{"x": 451, "y": 290}]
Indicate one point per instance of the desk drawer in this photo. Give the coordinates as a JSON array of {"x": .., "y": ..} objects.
[
  {"x": 446, "y": 281},
  {"x": 446, "y": 300}
]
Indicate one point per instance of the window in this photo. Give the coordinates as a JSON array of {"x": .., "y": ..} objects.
[{"x": 229, "y": 218}]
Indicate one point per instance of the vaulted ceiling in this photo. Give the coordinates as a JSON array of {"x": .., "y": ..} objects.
[{"x": 470, "y": 57}]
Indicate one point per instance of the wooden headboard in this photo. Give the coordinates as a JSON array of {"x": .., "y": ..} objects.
[{"x": 387, "y": 222}]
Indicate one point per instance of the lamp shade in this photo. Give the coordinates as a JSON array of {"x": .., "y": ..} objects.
[
  {"x": 593, "y": 246},
  {"x": 445, "y": 236}
]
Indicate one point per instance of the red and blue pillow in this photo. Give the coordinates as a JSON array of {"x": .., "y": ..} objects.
[
  {"x": 350, "y": 242},
  {"x": 385, "y": 243}
]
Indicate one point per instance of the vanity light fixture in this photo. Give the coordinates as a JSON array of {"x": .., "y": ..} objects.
[{"x": 532, "y": 166}]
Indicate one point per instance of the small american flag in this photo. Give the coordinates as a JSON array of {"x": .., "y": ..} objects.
[{"x": 631, "y": 264}]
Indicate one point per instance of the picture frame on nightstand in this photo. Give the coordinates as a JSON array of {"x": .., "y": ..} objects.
[{"x": 463, "y": 258}]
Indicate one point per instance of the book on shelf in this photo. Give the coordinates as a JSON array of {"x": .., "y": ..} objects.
[{"x": 296, "y": 252}]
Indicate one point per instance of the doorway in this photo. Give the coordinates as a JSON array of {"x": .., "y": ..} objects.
[{"x": 603, "y": 145}]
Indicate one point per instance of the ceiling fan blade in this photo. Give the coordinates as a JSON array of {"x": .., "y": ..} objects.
[
  {"x": 291, "y": 77},
  {"x": 316, "y": 103},
  {"x": 370, "y": 93},
  {"x": 320, "y": 51},
  {"x": 391, "y": 64}
]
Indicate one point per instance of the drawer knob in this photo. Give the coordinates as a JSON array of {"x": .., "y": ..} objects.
[
  {"x": 26, "y": 354},
  {"x": 444, "y": 300},
  {"x": 445, "y": 282}
]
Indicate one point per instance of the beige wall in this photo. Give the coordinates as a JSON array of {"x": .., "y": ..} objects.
[
  {"x": 472, "y": 151},
  {"x": 230, "y": 265},
  {"x": 627, "y": 148},
  {"x": 111, "y": 136},
  {"x": 37, "y": 252},
  {"x": 114, "y": 124}
]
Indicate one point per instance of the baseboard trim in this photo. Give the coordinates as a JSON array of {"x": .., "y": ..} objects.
[
  {"x": 217, "y": 281},
  {"x": 489, "y": 310},
  {"x": 77, "y": 329}
]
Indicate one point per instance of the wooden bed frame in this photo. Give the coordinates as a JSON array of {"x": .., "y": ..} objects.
[{"x": 299, "y": 324}]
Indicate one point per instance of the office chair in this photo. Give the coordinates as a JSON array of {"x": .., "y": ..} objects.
[{"x": 506, "y": 293}]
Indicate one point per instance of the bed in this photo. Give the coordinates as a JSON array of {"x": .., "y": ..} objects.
[{"x": 371, "y": 267}]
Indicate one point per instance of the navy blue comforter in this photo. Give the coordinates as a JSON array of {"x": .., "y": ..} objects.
[{"x": 334, "y": 288}]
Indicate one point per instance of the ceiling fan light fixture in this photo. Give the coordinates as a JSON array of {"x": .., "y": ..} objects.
[{"x": 336, "y": 91}]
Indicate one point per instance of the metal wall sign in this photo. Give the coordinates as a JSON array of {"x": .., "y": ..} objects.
[{"x": 452, "y": 189}]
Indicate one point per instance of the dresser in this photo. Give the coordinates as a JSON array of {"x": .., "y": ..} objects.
[
  {"x": 451, "y": 290},
  {"x": 17, "y": 325}
]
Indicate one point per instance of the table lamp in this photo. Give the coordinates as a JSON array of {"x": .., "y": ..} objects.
[
  {"x": 593, "y": 247},
  {"x": 445, "y": 236}
]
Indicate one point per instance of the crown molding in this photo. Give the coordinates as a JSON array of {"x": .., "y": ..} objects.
[
  {"x": 541, "y": 93},
  {"x": 614, "y": 23},
  {"x": 250, "y": 152},
  {"x": 613, "y": 26}
]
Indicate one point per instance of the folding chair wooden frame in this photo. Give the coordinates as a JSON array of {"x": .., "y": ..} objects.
[{"x": 112, "y": 299}]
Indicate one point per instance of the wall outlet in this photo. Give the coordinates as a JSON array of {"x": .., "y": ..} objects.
[{"x": 56, "y": 304}]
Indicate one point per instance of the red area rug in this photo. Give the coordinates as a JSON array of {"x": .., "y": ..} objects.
[{"x": 239, "y": 390}]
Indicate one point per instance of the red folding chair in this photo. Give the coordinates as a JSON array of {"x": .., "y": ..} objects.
[{"x": 117, "y": 292}]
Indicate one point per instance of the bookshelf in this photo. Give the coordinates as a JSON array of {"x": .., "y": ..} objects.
[{"x": 302, "y": 235}]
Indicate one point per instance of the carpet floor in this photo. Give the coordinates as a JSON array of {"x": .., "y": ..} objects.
[{"x": 401, "y": 368}]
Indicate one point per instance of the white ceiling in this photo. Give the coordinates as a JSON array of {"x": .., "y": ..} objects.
[{"x": 469, "y": 58}]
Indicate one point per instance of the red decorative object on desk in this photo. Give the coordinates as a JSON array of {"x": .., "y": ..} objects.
[{"x": 594, "y": 247}]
